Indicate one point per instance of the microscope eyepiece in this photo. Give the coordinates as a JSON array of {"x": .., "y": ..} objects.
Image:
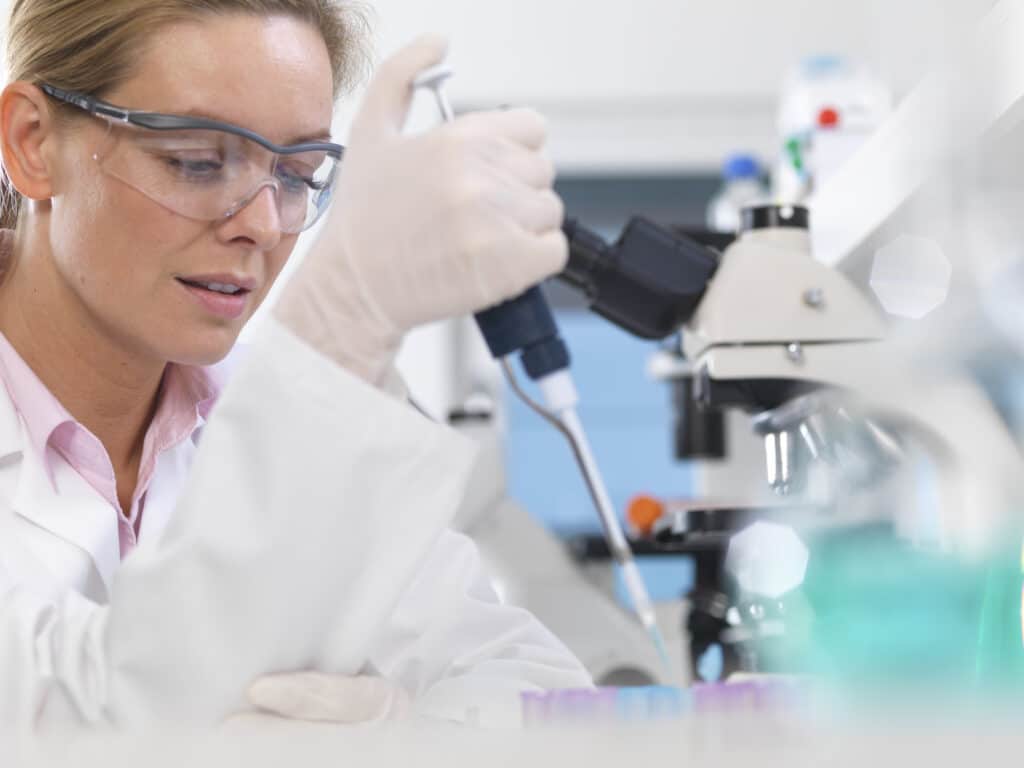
[
  {"x": 649, "y": 282},
  {"x": 774, "y": 217}
]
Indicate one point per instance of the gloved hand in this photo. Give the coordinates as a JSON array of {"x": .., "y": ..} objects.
[
  {"x": 319, "y": 697},
  {"x": 424, "y": 227}
]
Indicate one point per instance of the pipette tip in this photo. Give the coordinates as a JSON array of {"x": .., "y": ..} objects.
[{"x": 659, "y": 644}]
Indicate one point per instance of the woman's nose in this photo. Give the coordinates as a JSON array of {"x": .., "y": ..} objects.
[{"x": 259, "y": 220}]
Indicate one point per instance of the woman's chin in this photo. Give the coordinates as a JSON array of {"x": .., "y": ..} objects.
[{"x": 211, "y": 352}]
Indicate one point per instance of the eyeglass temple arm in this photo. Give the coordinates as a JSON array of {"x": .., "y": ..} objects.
[{"x": 87, "y": 103}]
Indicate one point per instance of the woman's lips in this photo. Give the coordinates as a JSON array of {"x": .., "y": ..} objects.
[{"x": 229, "y": 306}]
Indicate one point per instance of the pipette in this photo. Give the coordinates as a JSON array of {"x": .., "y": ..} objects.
[{"x": 526, "y": 326}]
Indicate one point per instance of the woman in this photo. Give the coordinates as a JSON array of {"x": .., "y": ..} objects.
[{"x": 162, "y": 157}]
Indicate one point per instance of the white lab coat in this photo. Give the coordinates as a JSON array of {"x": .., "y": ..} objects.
[{"x": 311, "y": 532}]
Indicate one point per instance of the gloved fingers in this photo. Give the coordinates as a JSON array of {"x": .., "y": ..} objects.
[
  {"x": 533, "y": 258},
  {"x": 385, "y": 106},
  {"x": 552, "y": 251},
  {"x": 538, "y": 211},
  {"x": 319, "y": 697},
  {"x": 524, "y": 126},
  {"x": 531, "y": 167}
]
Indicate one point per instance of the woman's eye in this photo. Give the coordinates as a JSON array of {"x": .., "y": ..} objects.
[
  {"x": 194, "y": 168},
  {"x": 295, "y": 182}
]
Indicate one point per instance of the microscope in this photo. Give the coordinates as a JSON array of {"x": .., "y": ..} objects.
[{"x": 764, "y": 329}]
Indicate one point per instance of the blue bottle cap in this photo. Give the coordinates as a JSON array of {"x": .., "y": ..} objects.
[
  {"x": 822, "y": 65},
  {"x": 741, "y": 166}
]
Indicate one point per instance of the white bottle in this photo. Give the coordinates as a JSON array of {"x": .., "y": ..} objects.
[
  {"x": 829, "y": 107},
  {"x": 741, "y": 187}
]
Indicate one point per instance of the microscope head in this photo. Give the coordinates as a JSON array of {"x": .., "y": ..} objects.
[
  {"x": 773, "y": 328},
  {"x": 773, "y": 304},
  {"x": 761, "y": 325}
]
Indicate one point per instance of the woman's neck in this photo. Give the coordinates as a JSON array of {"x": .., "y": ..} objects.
[{"x": 107, "y": 387}]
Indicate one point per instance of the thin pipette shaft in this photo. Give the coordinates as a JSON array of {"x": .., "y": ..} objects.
[
  {"x": 616, "y": 537},
  {"x": 570, "y": 422}
]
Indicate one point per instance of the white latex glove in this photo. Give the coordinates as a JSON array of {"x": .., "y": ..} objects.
[
  {"x": 318, "y": 697},
  {"x": 424, "y": 227}
]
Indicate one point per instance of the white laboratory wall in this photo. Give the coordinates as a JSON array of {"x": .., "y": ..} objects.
[{"x": 664, "y": 85}]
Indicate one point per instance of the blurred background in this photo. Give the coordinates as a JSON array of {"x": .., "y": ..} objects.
[
  {"x": 646, "y": 101},
  {"x": 684, "y": 112}
]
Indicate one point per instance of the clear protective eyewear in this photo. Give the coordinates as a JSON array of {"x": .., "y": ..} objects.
[{"x": 209, "y": 170}]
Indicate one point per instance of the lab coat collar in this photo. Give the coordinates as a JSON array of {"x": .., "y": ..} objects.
[
  {"x": 67, "y": 507},
  {"x": 71, "y": 509}
]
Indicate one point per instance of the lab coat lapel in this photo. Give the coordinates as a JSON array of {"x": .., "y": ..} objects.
[
  {"x": 70, "y": 509},
  {"x": 172, "y": 467}
]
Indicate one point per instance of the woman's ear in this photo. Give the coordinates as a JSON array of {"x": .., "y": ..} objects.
[{"x": 26, "y": 124}]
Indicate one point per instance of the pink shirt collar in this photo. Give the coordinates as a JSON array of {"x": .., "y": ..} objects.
[{"x": 186, "y": 396}]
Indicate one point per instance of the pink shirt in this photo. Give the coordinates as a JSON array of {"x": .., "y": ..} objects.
[{"x": 186, "y": 396}]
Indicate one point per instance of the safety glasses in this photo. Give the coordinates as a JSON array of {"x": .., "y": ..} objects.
[{"x": 208, "y": 170}]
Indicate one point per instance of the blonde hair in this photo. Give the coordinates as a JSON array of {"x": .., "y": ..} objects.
[{"x": 91, "y": 45}]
